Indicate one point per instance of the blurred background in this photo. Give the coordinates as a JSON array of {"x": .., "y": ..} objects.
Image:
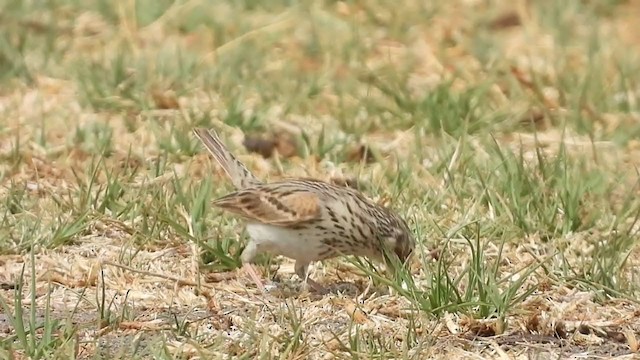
[{"x": 506, "y": 132}]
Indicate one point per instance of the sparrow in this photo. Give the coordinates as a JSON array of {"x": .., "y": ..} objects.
[{"x": 306, "y": 220}]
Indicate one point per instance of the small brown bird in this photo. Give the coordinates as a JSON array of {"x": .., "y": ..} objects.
[{"x": 306, "y": 220}]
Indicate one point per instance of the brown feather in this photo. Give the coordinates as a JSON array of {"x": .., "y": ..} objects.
[
  {"x": 269, "y": 207},
  {"x": 240, "y": 176}
]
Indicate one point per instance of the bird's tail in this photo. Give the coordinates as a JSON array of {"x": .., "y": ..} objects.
[{"x": 240, "y": 176}]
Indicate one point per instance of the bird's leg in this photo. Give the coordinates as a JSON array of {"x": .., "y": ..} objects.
[
  {"x": 301, "y": 270},
  {"x": 247, "y": 256},
  {"x": 253, "y": 274}
]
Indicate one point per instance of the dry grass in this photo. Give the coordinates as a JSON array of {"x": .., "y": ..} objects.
[{"x": 506, "y": 133}]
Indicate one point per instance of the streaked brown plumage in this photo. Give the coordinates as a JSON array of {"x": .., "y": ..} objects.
[{"x": 306, "y": 220}]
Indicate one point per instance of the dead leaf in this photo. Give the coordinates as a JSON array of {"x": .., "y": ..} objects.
[
  {"x": 165, "y": 99},
  {"x": 533, "y": 323},
  {"x": 141, "y": 325},
  {"x": 384, "y": 201},
  {"x": 219, "y": 320},
  {"x": 349, "y": 182},
  {"x": 523, "y": 78},
  {"x": 334, "y": 345},
  {"x": 545, "y": 285},
  {"x": 560, "y": 330},
  {"x": 282, "y": 142},
  {"x": 94, "y": 271},
  {"x": 78, "y": 154},
  {"x": 617, "y": 336},
  {"x": 506, "y": 20},
  {"x": 361, "y": 153},
  {"x": 257, "y": 144},
  {"x": 392, "y": 311},
  {"x": 55, "y": 277},
  {"x": 632, "y": 340},
  {"x": 285, "y": 144},
  {"x": 481, "y": 329},
  {"x": 219, "y": 277},
  {"x": 356, "y": 313}
]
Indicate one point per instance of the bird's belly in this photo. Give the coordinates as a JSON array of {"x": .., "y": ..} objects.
[{"x": 294, "y": 244}]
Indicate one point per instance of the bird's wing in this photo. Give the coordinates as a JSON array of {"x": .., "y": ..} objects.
[{"x": 273, "y": 204}]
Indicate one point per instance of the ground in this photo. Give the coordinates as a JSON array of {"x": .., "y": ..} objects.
[{"x": 506, "y": 133}]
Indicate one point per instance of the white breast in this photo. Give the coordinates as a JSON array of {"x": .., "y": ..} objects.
[{"x": 294, "y": 244}]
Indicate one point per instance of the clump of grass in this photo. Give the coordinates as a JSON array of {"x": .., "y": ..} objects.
[{"x": 36, "y": 333}]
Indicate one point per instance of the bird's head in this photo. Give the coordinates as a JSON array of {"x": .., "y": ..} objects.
[{"x": 397, "y": 238}]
